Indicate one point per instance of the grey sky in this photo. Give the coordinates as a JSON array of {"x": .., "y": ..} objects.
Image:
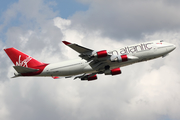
[{"x": 121, "y": 19}]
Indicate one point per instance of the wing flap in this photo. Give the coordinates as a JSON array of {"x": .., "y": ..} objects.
[{"x": 21, "y": 69}]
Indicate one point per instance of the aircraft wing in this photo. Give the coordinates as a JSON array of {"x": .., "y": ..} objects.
[
  {"x": 77, "y": 47},
  {"x": 86, "y": 53},
  {"x": 98, "y": 60}
]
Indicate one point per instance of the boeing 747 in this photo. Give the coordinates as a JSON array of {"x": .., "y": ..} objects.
[{"x": 91, "y": 62}]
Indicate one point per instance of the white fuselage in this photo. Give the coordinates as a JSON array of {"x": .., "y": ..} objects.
[{"x": 145, "y": 51}]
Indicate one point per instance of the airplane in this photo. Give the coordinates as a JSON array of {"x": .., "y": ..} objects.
[{"x": 90, "y": 62}]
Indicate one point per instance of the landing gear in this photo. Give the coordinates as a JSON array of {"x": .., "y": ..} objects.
[{"x": 107, "y": 67}]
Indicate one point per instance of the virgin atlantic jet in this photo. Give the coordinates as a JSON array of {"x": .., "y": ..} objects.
[{"x": 91, "y": 62}]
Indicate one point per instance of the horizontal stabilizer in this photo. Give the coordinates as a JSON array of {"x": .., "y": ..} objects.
[
  {"x": 14, "y": 76},
  {"x": 21, "y": 69}
]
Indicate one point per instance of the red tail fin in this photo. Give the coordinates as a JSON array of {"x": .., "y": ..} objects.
[{"x": 21, "y": 59}]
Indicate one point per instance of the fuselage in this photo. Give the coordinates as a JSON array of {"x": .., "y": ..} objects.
[{"x": 144, "y": 51}]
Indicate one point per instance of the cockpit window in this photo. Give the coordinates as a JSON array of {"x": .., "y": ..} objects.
[{"x": 162, "y": 41}]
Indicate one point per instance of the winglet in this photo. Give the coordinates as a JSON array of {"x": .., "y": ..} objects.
[{"x": 66, "y": 43}]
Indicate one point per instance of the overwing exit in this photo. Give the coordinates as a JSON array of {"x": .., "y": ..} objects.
[{"x": 91, "y": 62}]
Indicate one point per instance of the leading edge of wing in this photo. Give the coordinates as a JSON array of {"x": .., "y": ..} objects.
[{"x": 77, "y": 48}]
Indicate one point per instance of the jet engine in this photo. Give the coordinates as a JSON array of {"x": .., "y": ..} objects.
[
  {"x": 101, "y": 54},
  {"x": 119, "y": 58},
  {"x": 122, "y": 58},
  {"x": 89, "y": 78},
  {"x": 115, "y": 71}
]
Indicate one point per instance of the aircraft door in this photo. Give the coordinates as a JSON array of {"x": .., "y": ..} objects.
[{"x": 154, "y": 47}]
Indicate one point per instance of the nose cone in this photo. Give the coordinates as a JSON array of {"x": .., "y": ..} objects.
[
  {"x": 171, "y": 47},
  {"x": 174, "y": 47}
]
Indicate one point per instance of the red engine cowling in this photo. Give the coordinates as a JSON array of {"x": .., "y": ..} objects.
[
  {"x": 92, "y": 78},
  {"x": 115, "y": 71},
  {"x": 117, "y": 58},
  {"x": 124, "y": 58},
  {"x": 89, "y": 78},
  {"x": 101, "y": 54}
]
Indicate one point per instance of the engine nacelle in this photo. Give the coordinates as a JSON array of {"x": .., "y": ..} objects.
[
  {"x": 101, "y": 54},
  {"x": 119, "y": 58},
  {"x": 122, "y": 58},
  {"x": 115, "y": 71},
  {"x": 89, "y": 78}
]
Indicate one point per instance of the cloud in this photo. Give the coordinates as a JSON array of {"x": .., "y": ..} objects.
[
  {"x": 147, "y": 90},
  {"x": 36, "y": 28},
  {"x": 121, "y": 19}
]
